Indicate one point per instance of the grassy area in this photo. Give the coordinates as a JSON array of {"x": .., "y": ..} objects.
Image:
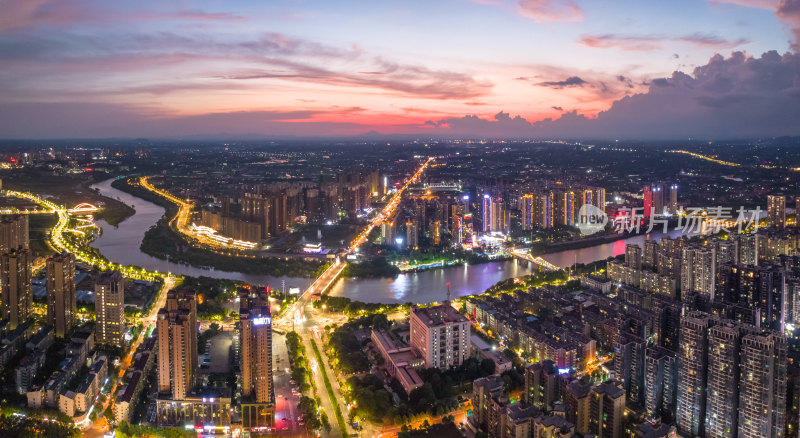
[{"x": 329, "y": 388}]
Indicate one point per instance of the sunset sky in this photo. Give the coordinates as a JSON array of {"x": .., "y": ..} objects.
[{"x": 483, "y": 68}]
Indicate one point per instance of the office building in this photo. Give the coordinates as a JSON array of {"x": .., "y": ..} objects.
[
  {"x": 60, "y": 282},
  {"x": 776, "y": 210},
  {"x": 440, "y": 334},
  {"x": 109, "y": 305},
  {"x": 258, "y": 394},
  {"x": 176, "y": 328},
  {"x": 15, "y": 281}
]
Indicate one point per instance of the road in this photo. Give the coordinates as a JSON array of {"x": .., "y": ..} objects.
[{"x": 302, "y": 314}]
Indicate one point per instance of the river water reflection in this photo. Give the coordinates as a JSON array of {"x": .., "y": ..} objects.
[{"x": 121, "y": 244}]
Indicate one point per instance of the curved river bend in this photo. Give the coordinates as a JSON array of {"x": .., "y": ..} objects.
[{"x": 121, "y": 244}]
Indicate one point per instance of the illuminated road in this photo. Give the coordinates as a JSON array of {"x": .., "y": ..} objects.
[
  {"x": 301, "y": 312},
  {"x": 707, "y": 158},
  {"x": 60, "y": 244}
]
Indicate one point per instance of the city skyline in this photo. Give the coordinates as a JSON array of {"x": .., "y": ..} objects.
[{"x": 481, "y": 68}]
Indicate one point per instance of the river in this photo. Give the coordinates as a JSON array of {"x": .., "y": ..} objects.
[{"x": 121, "y": 244}]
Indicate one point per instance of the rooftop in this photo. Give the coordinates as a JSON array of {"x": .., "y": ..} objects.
[{"x": 438, "y": 315}]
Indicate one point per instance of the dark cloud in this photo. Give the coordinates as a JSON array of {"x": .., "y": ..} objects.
[
  {"x": 735, "y": 97},
  {"x": 789, "y": 12},
  {"x": 572, "y": 81},
  {"x": 557, "y": 108}
]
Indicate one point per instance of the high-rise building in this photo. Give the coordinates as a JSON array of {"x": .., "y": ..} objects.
[
  {"x": 498, "y": 215},
  {"x": 672, "y": 202},
  {"x": 577, "y": 400},
  {"x": 776, "y": 210},
  {"x": 543, "y": 210},
  {"x": 109, "y": 306},
  {"x": 690, "y": 414},
  {"x": 761, "y": 288},
  {"x": 15, "y": 281},
  {"x": 14, "y": 232},
  {"x": 762, "y": 390},
  {"x": 650, "y": 260},
  {"x": 441, "y": 335},
  {"x": 258, "y": 394},
  {"x": 722, "y": 410},
  {"x": 648, "y": 205},
  {"x": 587, "y": 198},
  {"x": 526, "y": 206},
  {"x": 661, "y": 383},
  {"x": 541, "y": 385},
  {"x": 600, "y": 199},
  {"x": 607, "y": 409},
  {"x": 699, "y": 270},
  {"x": 60, "y": 284},
  {"x": 633, "y": 256},
  {"x": 564, "y": 208},
  {"x": 629, "y": 365},
  {"x": 412, "y": 235},
  {"x": 176, "y": 328},
  {"x": 486, "y": 213}
]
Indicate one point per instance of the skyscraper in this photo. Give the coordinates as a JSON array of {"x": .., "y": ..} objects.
[
  {"x": 258, "y": 396},
  {"x": 526, "y": 206},
  {"x": 486, "y": 213},
  {"x": 109, "y": 305},
  {"x": 672, "y": 201},
  {"x": 690, "y": 414},
  {"x": 776, "y": 210},
  {"x": 61, "y": 293},
  {"x": 543, "y": 210},
  {"x": 15, "y": 281},
  {"x": 762, "y": 391},
  {"x": 722, "y": 412},
  {"x": 412, "y": 235},
  {"x": 498, "y": 216},
  {"x": 648, "y": 205},
  {"x": 14, "y": 232},
  {"x": 698, "y": 273},
  {"x": 600, "y": 199},
  {"x": 176, "y": 329}
]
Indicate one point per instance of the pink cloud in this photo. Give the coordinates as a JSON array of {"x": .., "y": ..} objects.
[
  {"x": 550, "y": 10},
  {"x": 652, "y": 42}
]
